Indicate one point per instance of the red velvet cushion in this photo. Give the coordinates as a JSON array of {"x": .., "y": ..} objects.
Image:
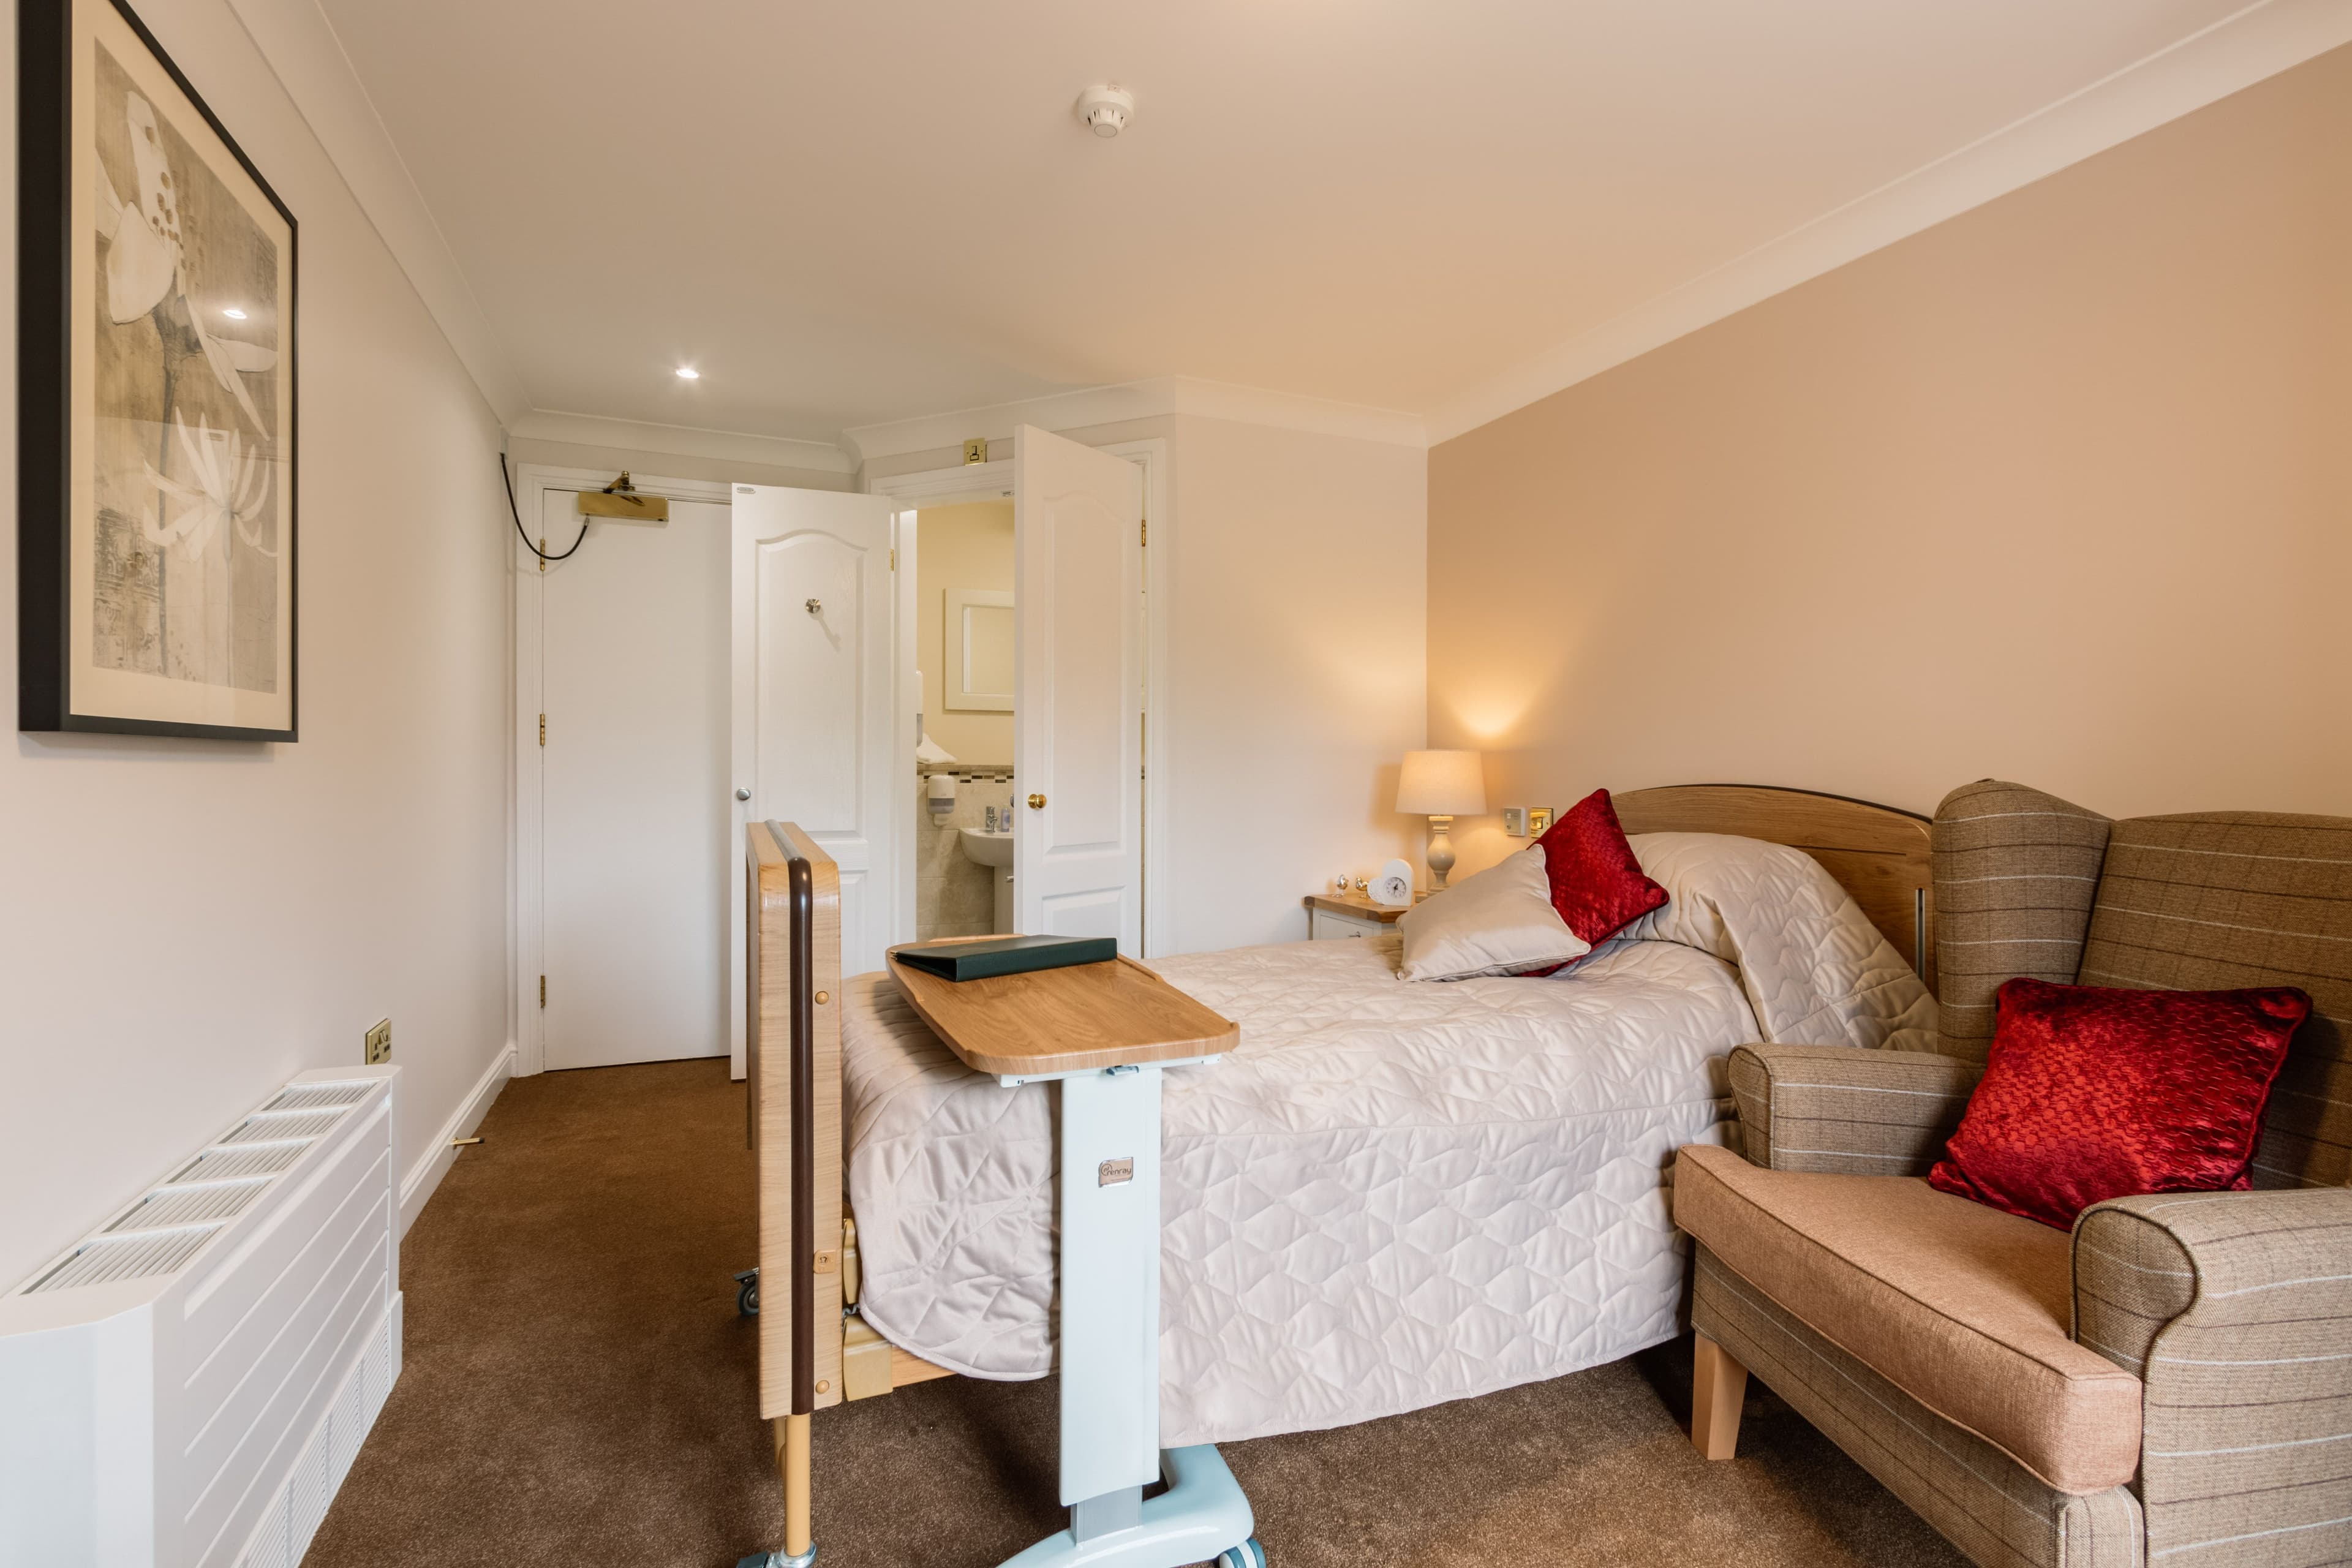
[
  {"x": 1597, "y": 885},
  {"x": 2092, "y": 1094}
]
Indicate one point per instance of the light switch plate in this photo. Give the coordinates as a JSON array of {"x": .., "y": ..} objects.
[
  {"x": 1539, "y": 821},
  {"x": 379, "y": 1043},
  {"x": 1515, "y": 821}
]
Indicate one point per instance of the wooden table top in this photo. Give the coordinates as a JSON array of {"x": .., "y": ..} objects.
[
  {"x": 1358, "y": 906},
  {"x": 1080, "y": 1018}
]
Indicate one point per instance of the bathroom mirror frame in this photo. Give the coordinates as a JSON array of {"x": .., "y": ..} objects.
[{"x": 956, "y": 691}]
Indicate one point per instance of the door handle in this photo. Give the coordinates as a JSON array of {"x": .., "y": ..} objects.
[
  {"x": 1036, "y": 803},
  {"x": 742, "y": 794}
]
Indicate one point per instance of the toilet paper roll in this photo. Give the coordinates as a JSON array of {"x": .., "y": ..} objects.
[{"x": 940, "y": 790}]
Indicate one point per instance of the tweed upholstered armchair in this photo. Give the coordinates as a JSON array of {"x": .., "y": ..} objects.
[{"x": 2171, "y": 1381}]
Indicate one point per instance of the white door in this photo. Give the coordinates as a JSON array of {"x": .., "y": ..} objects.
[
  {"x": 1077, "y": 744},
  {"x": 633, "y": 781},
  {"x": 817, "y": 701}
]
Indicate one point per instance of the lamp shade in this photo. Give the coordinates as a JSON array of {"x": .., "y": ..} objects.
[{"x": 1442, "y": 784}]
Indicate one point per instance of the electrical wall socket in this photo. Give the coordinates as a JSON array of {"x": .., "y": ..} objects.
[
  {"x": 1515, "y": 821},
  {"x": 1539, "y": 821},
  {"x": 379, "y": 1043}
]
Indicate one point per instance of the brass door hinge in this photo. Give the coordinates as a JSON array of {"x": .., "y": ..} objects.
[
  {"x": 543, "y": 554},
  {"x": 542, "y": 990},
  {"x": 1145, "y": 537},
  {"x": 894, "y": 558},
  {"x": 542, "y": 729}
]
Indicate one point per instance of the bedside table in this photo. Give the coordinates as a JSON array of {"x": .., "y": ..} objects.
[{"x": 1331, "y": 917}]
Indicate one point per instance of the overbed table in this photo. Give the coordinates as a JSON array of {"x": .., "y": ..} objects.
[{"x": 1105, "y": 1032}]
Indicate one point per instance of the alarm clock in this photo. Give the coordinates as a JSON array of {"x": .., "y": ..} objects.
[{"x": 1392, "y": 889}]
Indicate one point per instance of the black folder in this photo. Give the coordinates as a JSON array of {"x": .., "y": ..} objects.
[{"x": 1006, "y": 955}]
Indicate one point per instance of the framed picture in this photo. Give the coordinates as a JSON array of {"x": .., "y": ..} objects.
[{"x": 155, "y": 383}]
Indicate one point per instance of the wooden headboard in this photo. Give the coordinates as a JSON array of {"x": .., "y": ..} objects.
[{"x": 1876, "y": 853}]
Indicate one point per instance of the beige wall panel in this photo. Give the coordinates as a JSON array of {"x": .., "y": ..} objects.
[
  {"x": 2059, "y": 490},
  {"x": 1297, "y": 640}
]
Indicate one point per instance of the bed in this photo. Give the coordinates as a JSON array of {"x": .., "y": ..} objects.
[{"x": 1390, "y": 1195}]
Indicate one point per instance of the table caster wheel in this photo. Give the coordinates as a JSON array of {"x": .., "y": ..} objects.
[
  {"x": 747, "y": 1293},
  {"x": 1248, "y": 1555}
]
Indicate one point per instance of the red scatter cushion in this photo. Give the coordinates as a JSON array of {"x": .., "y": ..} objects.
[
  {"x": 1597, "y": 885},
  {"x": 2090, "y": 1094}
]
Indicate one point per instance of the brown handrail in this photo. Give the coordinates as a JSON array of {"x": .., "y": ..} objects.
[{"x": 800, "y": 900}]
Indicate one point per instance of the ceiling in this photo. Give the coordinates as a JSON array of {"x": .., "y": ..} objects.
[{"x": 842, "y": 215}]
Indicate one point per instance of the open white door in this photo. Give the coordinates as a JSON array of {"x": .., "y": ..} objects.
[
  {"x": 1077, "y": 744},
  {"x": 816, "y": 737}
]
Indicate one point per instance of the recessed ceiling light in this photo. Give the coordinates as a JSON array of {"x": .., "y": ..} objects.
[
  {"x": 234, "y": 314},
  {"x": 688, "y": 373}
]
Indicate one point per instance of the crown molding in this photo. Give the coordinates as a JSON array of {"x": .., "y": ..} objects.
[
  {"x": 1290, "y": 411},
  {"x": 2232, "y": 54},
  {"x": 1149, "y": 399},
  {"x": 1061, "y": 411},
  {"x": 300, "y": 48},
  {"x": 678, "y": 441}
]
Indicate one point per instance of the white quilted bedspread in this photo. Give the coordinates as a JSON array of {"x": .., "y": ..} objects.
[{"x": 1390, "y": 1195}]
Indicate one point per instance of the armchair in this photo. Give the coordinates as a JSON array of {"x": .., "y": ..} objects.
[{"x": 2173, "y": 1380}]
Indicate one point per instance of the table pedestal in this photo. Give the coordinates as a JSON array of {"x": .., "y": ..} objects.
[
  {"x": 1108, "y": 1273},
  {"x": 1203, "y": 1515}
]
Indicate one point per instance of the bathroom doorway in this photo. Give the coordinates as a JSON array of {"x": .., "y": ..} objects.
[
  {"x": 1086, "y": 854},
  {"x": 964, "y": 624}
]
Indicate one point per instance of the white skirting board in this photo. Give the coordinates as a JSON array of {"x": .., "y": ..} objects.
[
  {"x": 425, "y": 1172},
  {"x": 294, "y": 1515}
]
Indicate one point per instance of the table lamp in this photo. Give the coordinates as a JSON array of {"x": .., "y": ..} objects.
[{"x": 1441, "y": 785}]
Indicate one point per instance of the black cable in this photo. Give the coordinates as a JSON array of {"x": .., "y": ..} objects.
[{"x": 516, "y": 512}]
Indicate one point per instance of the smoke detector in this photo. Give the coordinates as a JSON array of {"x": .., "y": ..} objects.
[{"x": 1105, "y": 108}]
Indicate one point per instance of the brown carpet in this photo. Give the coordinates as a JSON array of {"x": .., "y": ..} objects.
[{"x": 578, "y": 1390}]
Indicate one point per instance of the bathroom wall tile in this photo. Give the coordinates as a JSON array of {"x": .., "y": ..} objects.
[{"x": 954, "y": 897}]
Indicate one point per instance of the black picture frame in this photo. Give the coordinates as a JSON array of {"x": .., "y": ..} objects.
[{"x": 246, "y": 614}]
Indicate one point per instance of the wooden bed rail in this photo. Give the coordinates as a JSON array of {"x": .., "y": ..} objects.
[
  {"x": 792, "y": 1056},
  {"x": 792, "y": 1060}
]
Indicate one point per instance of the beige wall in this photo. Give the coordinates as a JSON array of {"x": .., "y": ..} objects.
[
  {"x": 186, "y": 924},
  {"x": 2059, "y": 490},
  {"x": 960, "y": 547},
  {"x": 1297, "y": 680}
]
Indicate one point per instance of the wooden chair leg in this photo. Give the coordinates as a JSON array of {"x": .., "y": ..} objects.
[{"x": 1718, "y": 1388}]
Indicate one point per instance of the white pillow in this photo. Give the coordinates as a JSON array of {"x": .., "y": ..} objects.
[{"x": 1499, "y": 921}]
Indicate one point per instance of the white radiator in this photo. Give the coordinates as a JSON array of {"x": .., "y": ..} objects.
[{"x": 185, "y": 1386}]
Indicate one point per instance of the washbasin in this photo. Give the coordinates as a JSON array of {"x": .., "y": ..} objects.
[{"x": 986, "y": 848}]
